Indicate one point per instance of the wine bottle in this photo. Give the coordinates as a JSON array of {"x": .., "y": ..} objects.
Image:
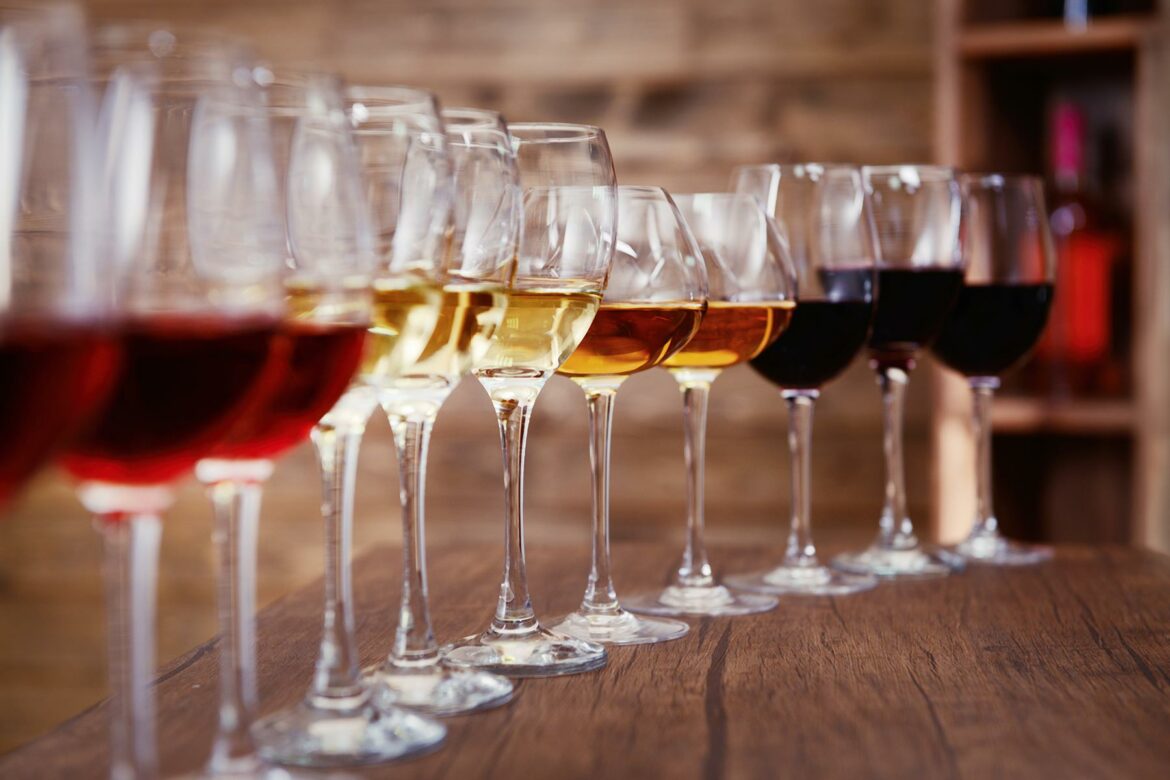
[{"x": 1077, "y": 356}]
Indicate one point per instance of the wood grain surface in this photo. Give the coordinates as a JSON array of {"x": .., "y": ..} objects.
[{"x": 1062, "y": 670}]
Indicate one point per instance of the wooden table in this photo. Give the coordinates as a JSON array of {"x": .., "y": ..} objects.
[{"x": 1061, "y": 670}]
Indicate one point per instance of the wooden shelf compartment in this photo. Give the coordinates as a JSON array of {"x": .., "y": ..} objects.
[
  {"x": 1041, "y": 38},
  {"x": 1020, "y": 414},
  {"x": 997, "y": 74}
]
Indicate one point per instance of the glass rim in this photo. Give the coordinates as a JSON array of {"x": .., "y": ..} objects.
[
  {"x": 925, "y": 171},
  {"x": 998, "y": 180},
  {"x": 717, "y": 196},
  {"x": 827, "y": 166},
  {"x": 399, "y": 97},
  {"x": 554, "y": 132},
  {"x": 281, "y": 81},
  {"x": 478, "y": 118},
  {"x": 268, "y": 75},
  {"x": 643, "y": 189}
]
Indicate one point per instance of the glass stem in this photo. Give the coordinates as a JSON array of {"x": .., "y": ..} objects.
[
  {"x": 414, "y": 641},
  {"x": 337, "y": 438},
  {"x": 801, "y": 550},
  {"x": 695, "y": 571},
  {"x": 897, "y": 532},
  {"x": 236, "y": 503},
  {"x": 983, "y": 392},
  {"x": 600, "y": 393},
  {"x": 514, "y": 613},
  {"x": 131, "y": 542}
]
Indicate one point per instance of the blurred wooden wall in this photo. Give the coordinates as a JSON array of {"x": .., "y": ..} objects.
[{"x": 686, "y": 89}]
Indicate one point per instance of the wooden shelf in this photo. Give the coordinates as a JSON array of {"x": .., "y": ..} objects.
[
  {"x": 1043, "y": 38},
  {"x": 1033, "y": 415}
]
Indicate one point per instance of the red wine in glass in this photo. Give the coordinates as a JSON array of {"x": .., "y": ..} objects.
[
  {"x": 182, "y": 384},
  {"x": 315, "y": 363},
  {"x": 993, "y": 327},
  {"x": 912, "y": 305},
  {"x": 822, "y": 339},
  {"x": 54, "y": 377}
]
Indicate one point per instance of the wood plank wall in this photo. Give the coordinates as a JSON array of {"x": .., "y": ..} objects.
[{"x": 686, "y": 89}]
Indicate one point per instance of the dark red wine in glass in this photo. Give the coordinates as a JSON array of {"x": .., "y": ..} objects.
[
  {"x": 912, "y": 305},
  {"x": 992, "y": 327},
  {"x": 315, "y": 363},
  {"x": 183, "y": 383},
  {"x": 53, "y": 379},
  {"x": 822, "y": 339}
]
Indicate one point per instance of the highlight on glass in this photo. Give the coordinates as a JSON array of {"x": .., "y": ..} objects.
[
  {"x": 405, "y": 185},
  {"x": 479, "y": 259},
  {"x": 569, "y": 225},
  {"x": 1000, "y": 315},
  {"x": 652, "y": 307},
  {"x": 920, "y": 272},
  {"x": 822, "y": 212},
  {"x": 751, "y": 291}
]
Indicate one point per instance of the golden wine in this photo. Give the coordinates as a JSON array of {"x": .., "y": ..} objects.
[
  {"x": 629, "y": 337},
  {"x": 469, "y": 315},
  {"x": 405, "y": 313},
  {"x": 541, "y": 328},
  {"x": 732, "y": 333}
]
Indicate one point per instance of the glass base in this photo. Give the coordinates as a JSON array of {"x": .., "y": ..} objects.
[
  {"x": 319, "y": 737},
  {"x": 535, "y": 653},
  {"x": 620, "y": 628},
  {"x": 708, "y": 601},
  {"x": 435, "y": 689},
  {"x": 994, "y": 550},
  {"x": 244, "y": 768},
  {"x": 916, "y": 562},
  {"x": 802, "y": 581}
]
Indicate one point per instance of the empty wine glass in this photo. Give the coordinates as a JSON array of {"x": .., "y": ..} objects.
[
  {"x": 479, "y": 262},
  {"x": 57, "y": 354},
  {"x": 569, "y": 208},
  {"x": 405, "y": 179},
  {"x": 652, "y": 307},
  {"x": 193, "y": 241},
  {"x": 999, "y": 317},
  {"x": 822, "y": 212},
  {"x": 920, "y": 271},
  {"x": 751, "y": 289}
]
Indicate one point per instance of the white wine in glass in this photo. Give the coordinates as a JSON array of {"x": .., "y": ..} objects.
[
  {"x": 566, "y": 246},
  {"x": 478, "y": 262}
]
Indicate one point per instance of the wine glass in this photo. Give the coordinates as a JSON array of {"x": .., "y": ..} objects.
[
  {"x": 920, "y": 271},
  {"x": 1001, "y": 312},
  {"x": 751, "y": 291},
  {"x": 405, "y": 181},
  {"x": 329, "y": 257},
  {"x": 652, "y": 307},
  {"x": 479, "y": 262},
  {"x": 822, "y": 212},
  {"x": 57, "y": 355},
  {"x": 195, "y": 267},
  {"x": 569, "y": 203}
]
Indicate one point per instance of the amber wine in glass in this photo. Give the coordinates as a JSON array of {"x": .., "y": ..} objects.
[
  {"x": 751, "y": 291},
  {"x": 653, "y": 307}
]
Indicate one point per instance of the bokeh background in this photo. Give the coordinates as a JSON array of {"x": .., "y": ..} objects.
[{"x": 686, "y": 89}]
